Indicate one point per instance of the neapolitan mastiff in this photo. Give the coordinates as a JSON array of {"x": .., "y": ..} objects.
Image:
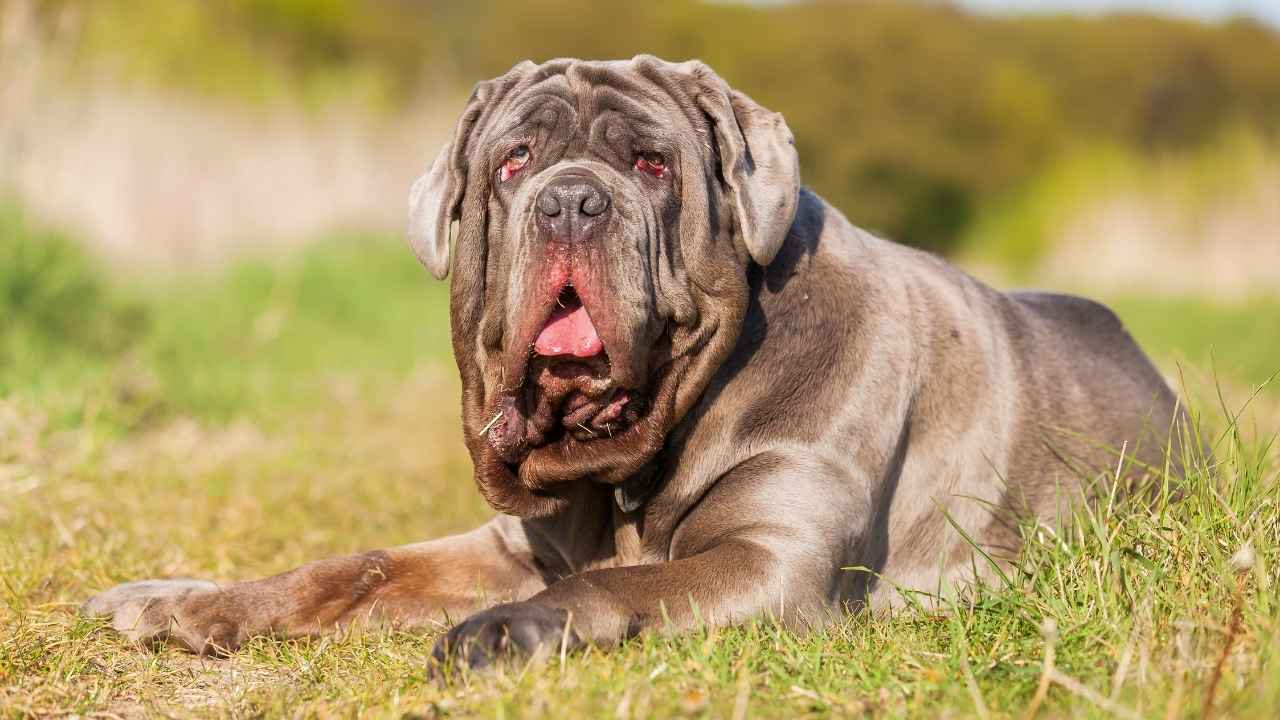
[{"x": 695, "y": 393}]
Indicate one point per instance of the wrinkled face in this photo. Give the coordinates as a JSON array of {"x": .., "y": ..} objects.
[
  {"x": 600, "y": 276},
  {"x": 584, "y": 205}
]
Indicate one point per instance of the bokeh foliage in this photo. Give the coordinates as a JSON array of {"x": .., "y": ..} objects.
[
  {"x": 58, "y": 314},
  {"x": 913, "y": 118}
]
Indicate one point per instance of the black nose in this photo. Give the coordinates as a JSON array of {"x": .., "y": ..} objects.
[{"x": 572, "y": 207}]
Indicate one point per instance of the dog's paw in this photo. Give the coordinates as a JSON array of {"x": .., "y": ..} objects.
[
  {"x": 192, "y": 614},
  {"x": 521, "y": 628}
]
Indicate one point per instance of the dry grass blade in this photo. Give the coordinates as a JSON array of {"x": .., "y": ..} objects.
[
  {"x": 1078, "y": 688},
  {"x": 1242, "y": 562},
  {"x": 1049, "y": 631},
  {"x": 971, "y": 684},
  {"x": 489, "y": 425}
]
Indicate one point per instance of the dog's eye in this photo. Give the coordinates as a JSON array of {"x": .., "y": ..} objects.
[
  {"x": 653, "y": 163},
  {"x": 514, "y": 162}
]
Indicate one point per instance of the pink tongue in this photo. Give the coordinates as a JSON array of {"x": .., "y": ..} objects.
[{"x": 569, "y": 332}]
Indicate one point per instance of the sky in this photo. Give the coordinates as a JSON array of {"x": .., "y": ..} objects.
[{"x": 1268, "y": 10}]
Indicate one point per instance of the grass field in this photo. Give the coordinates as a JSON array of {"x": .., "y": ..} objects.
[{"x": 234, "y": 425}]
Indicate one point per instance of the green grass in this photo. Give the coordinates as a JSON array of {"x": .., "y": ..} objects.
[
  {"x": 59, "y": 321},
  {"x": 1241, "y": 341},
  {"x": 239, "y": 424},
  {"x": 259, "y": 336},
  {"x": 249, "y": 341}
]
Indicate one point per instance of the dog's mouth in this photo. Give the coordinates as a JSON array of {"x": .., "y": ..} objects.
[
  {"x": 568, "y": 390},
  {"x": 569, "y": 330}
]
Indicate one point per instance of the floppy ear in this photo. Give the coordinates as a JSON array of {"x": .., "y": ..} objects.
[
  {"x": 759, "y": 164},
  {"x": 435, "y": 200}
]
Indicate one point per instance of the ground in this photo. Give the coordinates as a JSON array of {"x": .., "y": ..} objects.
[{"x": 234, "y": 425}]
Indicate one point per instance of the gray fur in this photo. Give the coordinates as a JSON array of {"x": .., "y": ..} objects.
[{"x": 818, "y": 399}]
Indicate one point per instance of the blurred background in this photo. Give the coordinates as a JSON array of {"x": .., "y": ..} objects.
[
  {"x": 201, "y": 201},
  {"x": 219, "y": 358}
]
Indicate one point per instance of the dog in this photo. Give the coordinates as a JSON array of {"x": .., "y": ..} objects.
[{"x": 695, "y": 393}]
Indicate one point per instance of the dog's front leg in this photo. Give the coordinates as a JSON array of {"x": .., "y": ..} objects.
[
  {"x": 409, "y": 586},
  {"x": 769, "y": 538}
]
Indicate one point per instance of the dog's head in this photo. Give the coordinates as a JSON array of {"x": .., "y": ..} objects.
[{"x": 606, "y": 214}]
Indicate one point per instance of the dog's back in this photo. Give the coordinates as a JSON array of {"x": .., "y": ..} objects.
[
  {"x": 1092, "y": 386},
  {"x": 1020, "y": 405}
]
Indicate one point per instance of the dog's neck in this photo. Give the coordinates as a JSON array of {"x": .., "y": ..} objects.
[{"x": 632, "y": 493}]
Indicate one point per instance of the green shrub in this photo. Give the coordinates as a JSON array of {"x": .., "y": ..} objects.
[
  {"x": 1017, "y": 230},
  {"x": 908, "y": 116},
  {"x": 55, "y": 306}
]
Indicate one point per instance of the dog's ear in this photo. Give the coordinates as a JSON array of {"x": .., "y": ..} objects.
[
  {"x": 433, "y": 206},
  {"x": 758, "y": 162},
  {"x": 436, "y": 197},
  {"x": 435, "y": 200}
]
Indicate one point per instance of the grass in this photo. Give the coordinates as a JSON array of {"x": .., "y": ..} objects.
[
  {"x": 1241, "y": 341},
  {"x": 240, "y": 424}
]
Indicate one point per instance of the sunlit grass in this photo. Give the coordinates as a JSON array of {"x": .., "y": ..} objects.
[
  {"x": 1141, "y": 595},
  {"x": 282, "y": 412},
  {"x": 1239, "y": 341}
]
